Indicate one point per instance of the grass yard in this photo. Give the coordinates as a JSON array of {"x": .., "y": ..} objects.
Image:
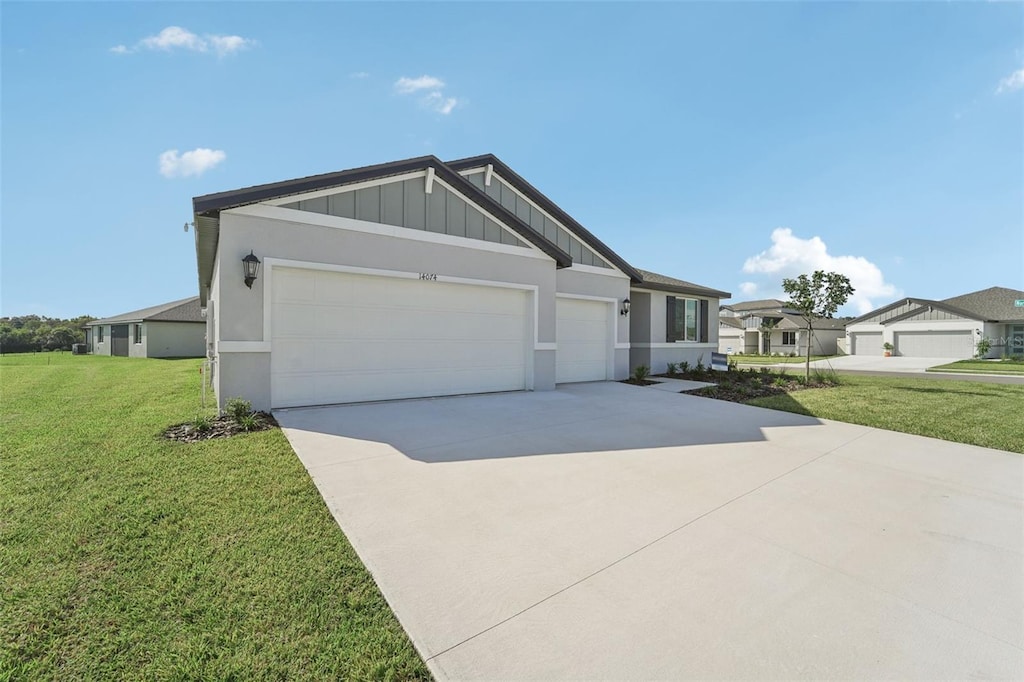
[
  {"x": 961, "y": 411},
  {"x": 773, "y": 359},
  {"x": 1012, "y": 367},
  {"x": 124, "y": 556}
]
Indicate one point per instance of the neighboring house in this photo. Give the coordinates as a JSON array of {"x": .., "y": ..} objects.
[
  {"x": 412, "y": 279},
  {"x": 771, "y": 326},
  {"x": 172, "y": 330},
  {"x": 951, "y": 328}
]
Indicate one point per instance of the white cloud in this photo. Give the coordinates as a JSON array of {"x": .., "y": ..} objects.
[
  {"x": 405, "y": 86},
  {"x": 790, "y": 255},
  {"x": 1015, "y": 81},
  {"x": 435, "y": 99},
  {"x": 359, "y": 75},
  {"x": 178, "y": 38},
  {"x": 440, "y": 103},
  {"x": 748, "y": 288},
  {"x": 195, "y": 162}
]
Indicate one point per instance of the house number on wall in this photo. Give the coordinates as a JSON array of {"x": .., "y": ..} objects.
[{"x": 428, "y": 276}]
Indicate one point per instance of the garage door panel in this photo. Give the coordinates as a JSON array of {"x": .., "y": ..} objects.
[
  {"x": 352, "y": 338},
  {"x": 582, "y": 339},
  {"x": 935, "y": 344},
  {"x": 866, "y": 343}
]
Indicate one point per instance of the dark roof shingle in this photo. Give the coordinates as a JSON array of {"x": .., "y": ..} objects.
[
  {"x": 653, "y": 280},
  {"x": 185, "y": 310}
]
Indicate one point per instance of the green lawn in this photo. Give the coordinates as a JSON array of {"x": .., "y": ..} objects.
[
  {"x": 773, "y": 359},
  {"x": 961, "y": 411},
  {"x": 126, "y": 556},
  {"x": 1013, "y": 367}
]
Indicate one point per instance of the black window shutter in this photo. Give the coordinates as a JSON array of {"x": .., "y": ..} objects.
[
  {"x": 670, "y": 319},
  {"x": 703, "y": 321}
]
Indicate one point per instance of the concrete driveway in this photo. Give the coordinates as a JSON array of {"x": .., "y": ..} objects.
[{"x": 605, "y": 531}]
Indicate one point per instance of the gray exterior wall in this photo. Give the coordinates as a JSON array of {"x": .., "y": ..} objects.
[
  {"x": 648, "y": 345},
  {"x": 174, "y": 339},
  {"x": 530, "y": 213},
  {"x": 407, "y": 204},
  {"x": 239, "y": 310},
  {"x": 101, "y": 347}
]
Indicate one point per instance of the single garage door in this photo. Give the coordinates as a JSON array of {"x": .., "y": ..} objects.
[
  {"x": 938, "y": 344},
  {"x": 582, "y": 336},
  {"x": 866, "y": 343},
  {"x": 341, "y": 337}
]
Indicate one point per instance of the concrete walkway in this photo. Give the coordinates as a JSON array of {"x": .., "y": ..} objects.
[{"x": 606, "y": 531}]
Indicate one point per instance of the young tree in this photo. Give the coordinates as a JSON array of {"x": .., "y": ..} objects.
[
  {"x": 768, "y": 324},
  {"x": 815, "y": 297}
]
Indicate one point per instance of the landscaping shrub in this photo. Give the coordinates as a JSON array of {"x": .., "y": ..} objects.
[
  {"x": 238, "y": 408},
  {"x": 641, "y": 373}
]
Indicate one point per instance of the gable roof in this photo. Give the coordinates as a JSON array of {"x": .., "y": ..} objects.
[
  {"x": 995, "y": 304},
  {"x": 652, "y": 280},
  {"x": 185, "y": 310},
  {"x": 992, "y": 304},
  {"x": 210, "y": 205},
  {"x": 551, "y": 207},
  {"x": 763, "y": 304}
]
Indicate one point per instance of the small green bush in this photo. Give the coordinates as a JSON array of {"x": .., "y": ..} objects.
[
  {"x": 249, "y": 422},
  {"x": 982, "y": 348},
  {"x": 202, "y": 423},
  {"x": 640, "y": 373},
  {"x": 673, "y": 369},
  {"x": 684, "y": 366},
  {"x": 238, "y": 408}
]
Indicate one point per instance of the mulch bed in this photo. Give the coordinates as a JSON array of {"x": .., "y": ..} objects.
[
  {"x": 220, "y": 427},
  {"x": 740, "y": 386},
  {"x": 634, "y": 382}
]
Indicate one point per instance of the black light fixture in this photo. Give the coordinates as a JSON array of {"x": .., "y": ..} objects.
[
  {"x": 251, "y": 267},
  {"x": 625, "y": 307}
]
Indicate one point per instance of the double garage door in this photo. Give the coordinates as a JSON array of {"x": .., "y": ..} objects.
[
  {"x": 345, "y": 337},
  {"x": 935, "y": 344},
  {"x": 342, "y": 337}
]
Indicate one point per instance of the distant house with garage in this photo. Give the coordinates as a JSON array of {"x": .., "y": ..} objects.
[
  {"x": 772, "y": 326},
  {"x": 172, "y": 330},
  {"x": 422, "y": 278},
  {"x": 950, "y": 328}
]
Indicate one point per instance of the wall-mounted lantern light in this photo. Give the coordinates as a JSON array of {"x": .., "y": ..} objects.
[
  {"x": 625, "y": 307},
  {"x": 251, "y": 267}
]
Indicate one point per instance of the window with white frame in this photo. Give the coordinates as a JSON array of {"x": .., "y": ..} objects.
[
  {"x": 788, "y": 338},
  {"x": 686, "y": 319},
  {"x": 99, "y": 334},
  {"x": 138, "y": 333}
]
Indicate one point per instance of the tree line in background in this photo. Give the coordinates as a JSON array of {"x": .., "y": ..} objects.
[{"x": 34, "y": 333}]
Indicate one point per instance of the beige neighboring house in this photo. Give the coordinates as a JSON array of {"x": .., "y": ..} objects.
[
  {"x": 951, "y": 328},
  {"x": 172, "y": 330},
  {"x": 771, "y": 326}
]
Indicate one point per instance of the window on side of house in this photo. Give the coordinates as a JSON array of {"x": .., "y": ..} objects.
[
  {"x": 138, "y": 333},
  {"x": 686, "y": 319},
  {"x": 788, "y": 338},
  {"x": 99, "y": 334}
]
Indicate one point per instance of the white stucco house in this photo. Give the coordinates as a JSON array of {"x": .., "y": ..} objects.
[
  {"x": 422, "y": 278},
  {"x": 772, "y": 326},
  {"x": 951, "y": 328},
  {"x": 171, "y": 330}
]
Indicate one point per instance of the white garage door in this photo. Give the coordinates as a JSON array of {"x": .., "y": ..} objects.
[
  {"x": 939, "y": 344},
  {"x": 582, "y": 336},
  {"x": 866, "y": 343},
  {"x": 340, "y": 337}
]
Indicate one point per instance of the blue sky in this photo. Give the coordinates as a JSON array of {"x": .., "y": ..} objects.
[{"x": 727, "y": 144}]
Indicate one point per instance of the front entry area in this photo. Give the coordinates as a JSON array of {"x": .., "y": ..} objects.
[{"x": 340, "y": 337}]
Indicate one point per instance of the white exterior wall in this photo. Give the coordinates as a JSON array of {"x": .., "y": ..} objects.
[{"x": 242, "y": 345}]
